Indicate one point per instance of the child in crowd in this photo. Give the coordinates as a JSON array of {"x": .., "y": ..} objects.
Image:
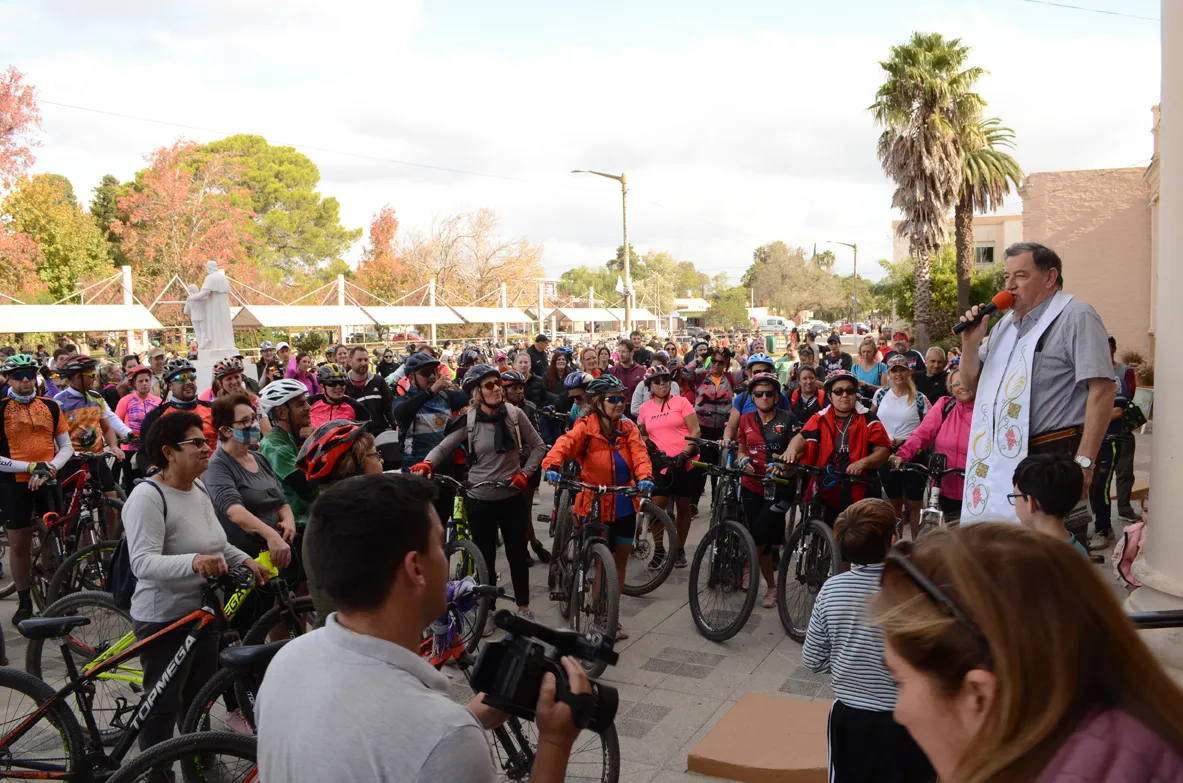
[
  {"x": 866, "y": 744},
  {"x": 1047, "y": 488}
]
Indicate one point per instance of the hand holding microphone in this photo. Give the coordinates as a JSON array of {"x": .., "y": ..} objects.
[{"x": 976, "y": 316}]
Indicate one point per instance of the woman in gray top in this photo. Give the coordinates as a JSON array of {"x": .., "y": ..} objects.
[
  {"x": 245, "y": 489},
  {"x": 175, "y": 542}
]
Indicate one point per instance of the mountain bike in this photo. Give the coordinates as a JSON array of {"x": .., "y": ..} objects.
[
  {"x": 241, "y": 673},
  {"x": 810, "y": 555},
  {"x": 594, "y": 757},
  {"x": 464, "y": 556},
  {"x": 932, "y": 516},
  {"x": 42, "y": 737},
  {"x": 586, "y": 582}
]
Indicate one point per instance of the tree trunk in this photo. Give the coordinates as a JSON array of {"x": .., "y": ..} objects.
[
  {"x": 922, "y": 306},
  {"x": 963, "y": 231}
]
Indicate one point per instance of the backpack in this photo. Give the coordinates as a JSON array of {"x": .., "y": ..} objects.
[
  {"x": 514, "y": 414},
  {"x": 121, "y": 581}
]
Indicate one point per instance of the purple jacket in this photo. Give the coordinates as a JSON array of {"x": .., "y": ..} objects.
[
  {"x": 1112, "y": 746},
  {"x": 630, "y": 378}
]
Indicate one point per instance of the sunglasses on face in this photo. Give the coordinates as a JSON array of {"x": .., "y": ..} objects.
[
  {"x": 490, "y": 385},
  {"x": 615, "y": 399},
  {"x": 333, "y": 384},
  {"x": 428, "y": 373},
  {"x": 844, "y": 391},
  {"x": 200, "y": 443},
  {"x": 660, "y": 382},
  {"x": 185, "y": 377},
  {"x": 22, "y": 375},
  {"x": 763, "y": 394},
  {"x": 578, "y": 397}
]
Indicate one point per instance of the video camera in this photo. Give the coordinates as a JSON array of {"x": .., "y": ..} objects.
[{"x": 509, "y": 672}]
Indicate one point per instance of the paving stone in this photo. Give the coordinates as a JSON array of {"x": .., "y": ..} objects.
[
  {"x": 800, "y": 688},
  {"x": 651, "y": 713},
  {"x": 633, "y": 729},
  {"x": 675, "y": 654},
  {"x": 706, "y": 659},
  {"x": 660, "y": 666},
  {"x": 690, "y": 670}
]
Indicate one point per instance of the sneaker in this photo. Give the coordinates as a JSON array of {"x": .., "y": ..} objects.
[
  {"x": 680, "y": 562},
  {"x": 236, "y": 722},
  {"x": 1101, "y": 540},
  {"x": 526, "y": 613},
  {"x": 540, "y": 550},
  {"x": 529, "y": 561},
  {"x": 769, "y": 599},
  {"x": 489, "y": 627},
  {"x": 537, "y": 500},
  {"x": 658, "y": 559},
  {"x": 23, "y": 612},
  {"x": 621, "y": 634}
]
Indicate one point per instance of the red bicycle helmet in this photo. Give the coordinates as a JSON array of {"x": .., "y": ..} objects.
[{"x": 320, "y": 452}]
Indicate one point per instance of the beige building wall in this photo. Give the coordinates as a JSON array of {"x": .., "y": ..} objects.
[
  {"x": 1100, "y": 224},
  {"x": 992, "y": 235}
]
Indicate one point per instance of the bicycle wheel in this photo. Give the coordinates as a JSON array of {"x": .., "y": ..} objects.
[
  {"x": 810, "y": 558},
  {"x": 225, "y": 692},
  {"x": 46, "y": 554},
  {"x": 719, "y": 603},
  {"x": 595, "y": 605},
  {"x": 7, "y": 586},
  {"x": 53, "y": 744},
  {"x": 562, "y": 559},
  {"x": 117, "y": 692},
  {"x": 642, "y": 574},
  {"x": 594, "y": 757},
  {"x": 465, "y": 559},
  {"x": 86, "y": 569},
  {"x": 198, "y": 758},
  {"x": 301, "y": 618}
]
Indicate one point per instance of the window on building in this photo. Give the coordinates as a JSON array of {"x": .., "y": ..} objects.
[{"x": 984, "y": 253}]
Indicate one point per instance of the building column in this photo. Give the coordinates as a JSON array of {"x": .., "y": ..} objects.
[{"x": 1161, "y": 570}]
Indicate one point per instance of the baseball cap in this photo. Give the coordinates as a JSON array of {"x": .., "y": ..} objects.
[
  {"x": 834, "y": 339},
  {"x": 266, "y": 346},
  {"x": 897, "y": 361},
  {"x": 281, "y": 346},
  {"x": 542, "y": 338},
  {"x": 154, "y": 352}
]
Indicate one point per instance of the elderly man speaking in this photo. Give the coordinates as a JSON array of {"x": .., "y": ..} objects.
[{"x": 1044, "y": 381}]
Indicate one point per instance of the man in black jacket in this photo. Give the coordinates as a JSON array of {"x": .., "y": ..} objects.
[
  {"x": 371, "y": 391},
  {"x": 538, "y": 357}
]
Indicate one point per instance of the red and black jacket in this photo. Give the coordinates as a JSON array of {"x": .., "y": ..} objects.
[{"x": 828, "y": 442}]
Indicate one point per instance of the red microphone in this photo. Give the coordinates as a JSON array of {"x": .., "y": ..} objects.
[{"x": 1003, "y": 300}]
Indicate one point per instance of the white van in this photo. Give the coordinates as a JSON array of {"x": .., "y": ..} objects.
[{"x": 772, "y": 323}]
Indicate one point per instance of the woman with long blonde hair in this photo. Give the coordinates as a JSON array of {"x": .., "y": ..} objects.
[{"x": 1016, "y": 663}]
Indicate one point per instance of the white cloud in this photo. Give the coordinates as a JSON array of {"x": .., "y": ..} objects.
[{"x": 729, "y": 141}]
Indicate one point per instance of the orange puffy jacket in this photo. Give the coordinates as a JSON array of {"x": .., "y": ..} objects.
[{"x": 585, "y": 442}]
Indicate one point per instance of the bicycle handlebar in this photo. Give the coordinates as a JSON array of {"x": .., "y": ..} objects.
[
  {"x": 603, "y": 489},
  {"x": 765, "y": 478},
  {"x": 730, "y": 445},
  {"x": 465, "y": 485},
  {"x": 914, "y": 467},
  {"x": 825, "y": 471}
]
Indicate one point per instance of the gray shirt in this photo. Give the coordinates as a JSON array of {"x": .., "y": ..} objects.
[
  {"x": 261, "y": 493},
  {"x": 1075, "y": 349},
  {"x": 337, "y": 705},
  {"x": 489, "y": 465},
  {"x": 162, "y": 550}
]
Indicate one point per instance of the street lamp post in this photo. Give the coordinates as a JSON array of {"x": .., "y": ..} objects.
[
  {"x": 628, "y": 280},
  {"x": 854, "y": 281}
]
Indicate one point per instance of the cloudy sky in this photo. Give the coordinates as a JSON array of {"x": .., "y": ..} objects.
[{"x": 738, "y": 123}]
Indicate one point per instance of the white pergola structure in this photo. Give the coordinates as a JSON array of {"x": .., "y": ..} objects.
[{"x": 70, "y": 319}]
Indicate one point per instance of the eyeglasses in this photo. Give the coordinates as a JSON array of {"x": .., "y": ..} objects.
[
  {"x": 763, "y": 394},
  {"x": 615, "y": 399},
  {"x": 185, "y": 377},
  {"x": 372, "y": 455},
  {"x": 1014, "y": 496},
  {"x": 845, "y": 391},
  {"x": 900, "y": 556},
  {"x": 247, "y": 421},
  {"x": 199, "y": 443}
]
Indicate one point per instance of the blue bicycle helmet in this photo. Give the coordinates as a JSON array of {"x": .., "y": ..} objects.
[
  {"x": 759, "y": 358},
  {"x": 577, "y": 380}
]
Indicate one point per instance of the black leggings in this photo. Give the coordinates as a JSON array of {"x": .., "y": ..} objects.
[
  {"x": 200, "y": 664},
  {"x": 511, "y": 515}
]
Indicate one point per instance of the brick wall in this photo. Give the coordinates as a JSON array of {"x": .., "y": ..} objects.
[{"x": 1099, "y": 223}]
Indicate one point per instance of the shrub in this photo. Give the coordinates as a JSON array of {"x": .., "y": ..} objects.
[{"x": 1131, "y": 358}]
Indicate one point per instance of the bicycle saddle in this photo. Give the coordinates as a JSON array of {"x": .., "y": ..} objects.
[
  {"x": 252, "y": 659},
  {"x": 41, "y": 628}
]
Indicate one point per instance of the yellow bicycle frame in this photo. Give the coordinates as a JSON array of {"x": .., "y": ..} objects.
[{"x": 136, "y": 676}]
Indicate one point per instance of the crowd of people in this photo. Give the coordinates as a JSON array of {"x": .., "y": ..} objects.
[{"x": 281, "y": 460}]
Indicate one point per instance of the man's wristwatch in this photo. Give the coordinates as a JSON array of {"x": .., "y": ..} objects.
[{"x": 1084, "y": 462}]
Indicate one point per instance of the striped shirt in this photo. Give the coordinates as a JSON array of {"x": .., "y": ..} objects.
[{"x": 841, "y": 640}]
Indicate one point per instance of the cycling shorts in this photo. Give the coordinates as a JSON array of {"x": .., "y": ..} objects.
[
  {"x": 18, "y": 503},
  {"x": 674, "y": 483},
  {"x": 622, "y": 530}
]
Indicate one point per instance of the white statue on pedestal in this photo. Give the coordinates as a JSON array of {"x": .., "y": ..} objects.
[{"x": 209, "y": 310}]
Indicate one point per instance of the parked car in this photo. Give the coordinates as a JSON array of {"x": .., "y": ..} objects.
[{"x": 862, "y": 328}]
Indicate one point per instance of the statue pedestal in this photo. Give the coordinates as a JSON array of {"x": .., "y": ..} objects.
[{"x": 205, "y": 361}]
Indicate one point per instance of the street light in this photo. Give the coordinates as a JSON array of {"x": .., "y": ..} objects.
[
  {"x": 628, "y": 280},
  {"x": 854, "y": 281}
]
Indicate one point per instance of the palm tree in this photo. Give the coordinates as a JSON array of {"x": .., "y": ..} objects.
[
  {"x": 926, "y": 97},
  {"x": 987, "y": 174}
]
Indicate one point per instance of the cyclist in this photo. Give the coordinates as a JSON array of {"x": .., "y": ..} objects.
[
  {"x": 641, "y": 393},
  {"x": 667, "y": 419},
  {"x": 332, "y": 402},
  {"x": 901, "y": 408},
  {"x": 285, "y": 404},
  {"x": 756, "y": 364},
  {"x": 842, "y": 436},
  {"x": 180, "y": 376},
  {"x": 576, "y": 385},
  {"x": 763, "y": 431},
  {"x": 714, "y": 388},
  {"x": 808, "y": 398},
  {"x": 515, "y": 393},
  {"x": 131, "y": 410},
  {"x": 945, "y": 430},
  {"x": 535, "y": 384},
  {"x": 494, "y": 433},
  {"x": 610, "y": 450},
  {"x": 334, "y": 451},
  {"x": 369, "y": 390},
  {"x": 34, "y": 446}
]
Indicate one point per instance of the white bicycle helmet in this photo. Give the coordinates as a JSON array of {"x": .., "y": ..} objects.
[{"x": 279, "y": 392}]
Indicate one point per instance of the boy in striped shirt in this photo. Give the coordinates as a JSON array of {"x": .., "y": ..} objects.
[{"x": 865, "y": 742}]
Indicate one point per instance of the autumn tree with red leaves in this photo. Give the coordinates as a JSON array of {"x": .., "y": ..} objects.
[
  {"x": 380, "y": 269},
  {"x": 20, "y": 119}
]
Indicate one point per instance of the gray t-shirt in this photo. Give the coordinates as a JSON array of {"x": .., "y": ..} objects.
[
  {"x": 489, "y": 465},
  {"x": 162, "y": 549},
  {"x": 1074, "y": 349},
  {"x": 260, "y": 493},
  {"x": 337, "y": 705}
]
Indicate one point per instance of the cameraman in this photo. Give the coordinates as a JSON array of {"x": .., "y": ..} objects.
[{"x": 353, "y": 700}]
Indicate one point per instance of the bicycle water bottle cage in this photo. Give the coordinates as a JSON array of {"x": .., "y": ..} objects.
[{"x": 832, "y": 477}]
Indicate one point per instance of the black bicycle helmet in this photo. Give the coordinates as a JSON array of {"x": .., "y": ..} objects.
[
  {"x": 420, "y": 361},
  {"x": 176, "y": 367},
  {"x": 475, "y": 375},
  {"x": 605, "y": 384},
  {"x": 512, "y": 378},
  {"x": 469, "y": 357},
  {"x": 78, "y": 364}
]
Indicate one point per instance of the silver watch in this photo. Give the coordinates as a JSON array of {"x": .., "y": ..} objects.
[{"x": 1084, "y": 462}]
